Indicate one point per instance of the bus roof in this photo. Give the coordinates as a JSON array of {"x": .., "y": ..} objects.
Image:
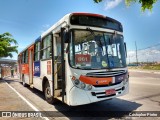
[{"x": 65, "y": 20}]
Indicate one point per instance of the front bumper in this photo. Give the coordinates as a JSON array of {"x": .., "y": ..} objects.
[{"x": 79, "y": 96}]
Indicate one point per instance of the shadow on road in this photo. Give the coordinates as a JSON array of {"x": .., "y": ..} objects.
[
  {"x": 10, "y": 81},
  {"x": 112, "y": 108}
]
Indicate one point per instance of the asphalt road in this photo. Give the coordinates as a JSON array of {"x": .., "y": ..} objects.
[{"x": 144, "y": 95}]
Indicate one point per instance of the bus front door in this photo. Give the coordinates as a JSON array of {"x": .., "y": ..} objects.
[{"x": 59, "y": 67}]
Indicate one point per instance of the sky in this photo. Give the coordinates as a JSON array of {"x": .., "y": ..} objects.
[{"x": 28, "y": 19}]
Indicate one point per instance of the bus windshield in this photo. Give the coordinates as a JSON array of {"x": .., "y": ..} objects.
[{"x": 96, "y": 50}]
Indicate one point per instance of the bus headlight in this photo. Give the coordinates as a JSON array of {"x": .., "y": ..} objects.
[
  {"x": 83, "y": 85},
  {"x": 80, "y": 84},
  {"x": 125, "y": 81},
  {"x": 76, "y": 82},
  {"x": 89, "y": 87}
]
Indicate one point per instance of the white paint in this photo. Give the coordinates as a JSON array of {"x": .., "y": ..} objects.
[
  {"x": 30, "y": 104},
  {"x": 26, "y": 79},
  {"x": 113, "y": 79},
  {"x": 43, "y": 73},
  {"x": 37, "y": 82},
  {"x": 78, "y": 97}
]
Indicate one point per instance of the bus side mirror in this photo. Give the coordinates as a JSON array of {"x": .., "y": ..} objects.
[{"x": 125, "y": 47}]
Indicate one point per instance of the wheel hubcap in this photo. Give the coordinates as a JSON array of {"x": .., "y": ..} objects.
[{"x": 48, "y": 92}]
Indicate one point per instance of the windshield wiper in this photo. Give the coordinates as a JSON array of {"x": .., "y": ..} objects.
[
  {"x": 89, "y": 29},
  {"x": 97, "y": 38}
]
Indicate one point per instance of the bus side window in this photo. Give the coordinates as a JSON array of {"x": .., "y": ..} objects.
[
  {"x": 23, "y": 57},
  {"x": 46, "y": 47},
  {"x": 58, "y": 41},
  {"x": 26, "y": 56},
  {"x": 37, "y": 52}
]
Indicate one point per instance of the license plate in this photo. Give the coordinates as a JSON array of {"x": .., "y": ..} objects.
[{"x": 110, "y": 92}]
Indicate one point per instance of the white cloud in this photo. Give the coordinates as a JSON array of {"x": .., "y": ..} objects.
[
  {"x": 151, "y": 54},
  {"x": 131, "y": 53},
  {"x": 147, "y": 13},
  {"x": 45, "y": 27},
  {"x": 109, "y": 4}
]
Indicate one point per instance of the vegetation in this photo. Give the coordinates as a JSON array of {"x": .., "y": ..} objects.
[
  {"x": 146, "y": 66},
  {"x": 7, "y": 45},
  {"x": 151, "y": 67},
  {"x": 145, "y": 4}
]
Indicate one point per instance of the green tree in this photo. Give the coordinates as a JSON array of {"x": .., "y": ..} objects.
[
  {"x": 6, "y": 45},
  {"x": 145, "y": 4}
]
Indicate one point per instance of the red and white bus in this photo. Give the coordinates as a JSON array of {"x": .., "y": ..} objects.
[{"x": 79, "y": 60}]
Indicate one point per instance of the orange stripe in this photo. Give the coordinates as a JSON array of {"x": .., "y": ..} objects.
[
  {"x": 25, "y": 69},
  {"x": 95, "y": 81}
]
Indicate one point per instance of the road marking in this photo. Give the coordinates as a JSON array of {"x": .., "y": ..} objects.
[{"x": 30, "y": 104}]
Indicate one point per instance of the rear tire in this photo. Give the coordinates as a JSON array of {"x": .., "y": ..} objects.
[{"x": 47, "y": 92}]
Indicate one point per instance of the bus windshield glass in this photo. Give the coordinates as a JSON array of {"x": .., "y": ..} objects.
[{"x": 96, "y": 50}]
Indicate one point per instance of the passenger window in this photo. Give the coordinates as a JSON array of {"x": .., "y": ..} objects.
[
  {"x": 37, "y": 52},
  {"x": 46, "y": 48}
]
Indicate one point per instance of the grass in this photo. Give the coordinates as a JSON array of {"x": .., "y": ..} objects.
[
  {"x": 147, "y": 67},
  {"x": 151, "y": 67}
]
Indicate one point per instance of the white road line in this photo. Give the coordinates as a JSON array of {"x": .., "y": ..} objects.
[{"x": 32, "y": 106}]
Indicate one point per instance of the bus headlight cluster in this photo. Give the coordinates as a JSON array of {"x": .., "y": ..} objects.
[
  {"x": 76, "y": 82},
  {"x": 83, "y": 85},
  {"x": 80, "y": 84},
  {"x": 125, "y": 81},
  {"x": 89, "y": 87}
]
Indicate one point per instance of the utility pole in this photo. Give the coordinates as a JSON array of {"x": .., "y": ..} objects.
[{"x": 136, "y": 53}]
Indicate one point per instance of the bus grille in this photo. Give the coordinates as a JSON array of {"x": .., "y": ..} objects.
[
  {"x": 106, "y": 73},
  {"x": 103, "y": 94}
]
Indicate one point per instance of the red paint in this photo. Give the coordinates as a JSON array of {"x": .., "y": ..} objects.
[
  {"x": 90, "y": 14},
  {"x": 49, "y": 67},
  {"x": 25, "y": 69},
  {"x": 80, "y": 58},
  {"x": 110, "y": 92}
]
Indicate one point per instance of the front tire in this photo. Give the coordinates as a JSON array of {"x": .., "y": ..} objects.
[{"x": 47, "y": 92}]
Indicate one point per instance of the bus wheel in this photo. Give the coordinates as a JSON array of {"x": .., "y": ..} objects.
[
  {"x": 47, "y": 93},
  {"x": 23, "y": 82}
]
